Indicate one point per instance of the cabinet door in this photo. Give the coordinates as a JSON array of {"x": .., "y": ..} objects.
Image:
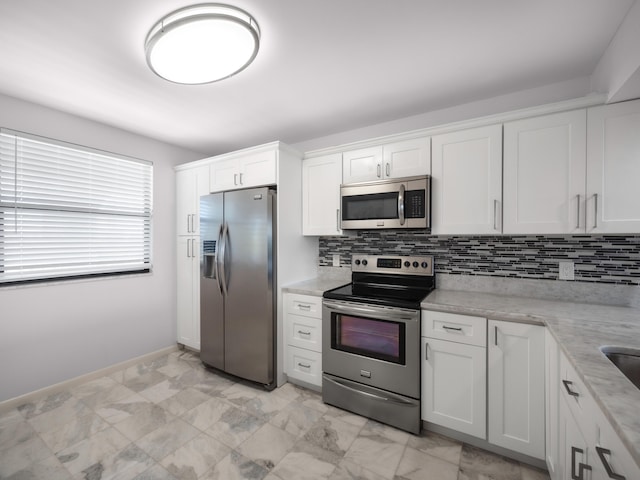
[
  {"x": 573, "y": 448},
  {"x": 407, "y": 158},
  {"x": 188, "y": 294},
  {"x": 454, "y": 379},
  {"x": 610, "y": 458},
  {"x": 516, "y": 387},
  {"x": 190, "y": 185},
  {"x": 321, "y": 179},
  {"x": 362, "y": 165},
  {"x": 258, "y": 169},
  {"x": 225, "y": 175},
  {"x": 613, "y": 168},
  {"x": 185, "y": 202},
  {"x": 466, "y": 181},
  {"x": 552, "y": 396},
  {"x": 544, "y": 174}
]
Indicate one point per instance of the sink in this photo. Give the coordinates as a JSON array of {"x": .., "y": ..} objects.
[{"x": 627, "y": 360}]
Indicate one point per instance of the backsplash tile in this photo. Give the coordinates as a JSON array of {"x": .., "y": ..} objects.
[{"x": 598, "y": 258}]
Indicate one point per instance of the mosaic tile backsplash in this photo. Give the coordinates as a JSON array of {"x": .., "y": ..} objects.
[{"x": 597, "y": 258}]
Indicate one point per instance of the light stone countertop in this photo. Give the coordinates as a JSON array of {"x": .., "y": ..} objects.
[
  {"x": 315, "y": 286},
  {"x": 580, "y": 329}
]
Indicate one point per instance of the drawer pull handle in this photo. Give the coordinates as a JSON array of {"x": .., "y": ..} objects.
[
  {"x": 567, "y": 384},
  {"x": 426, "y": 351},
  {"x": 581, "y": 466},
  {"x": 302, "y": 332},
  {"x": 605, "y": 463},
  {"x": 303, "y": 306},
  {"x": 303, "y": 365},
  {"x": 457, "y": 329}
]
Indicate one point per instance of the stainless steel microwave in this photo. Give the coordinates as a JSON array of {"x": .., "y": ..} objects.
[{"x": 394, "y": 203}]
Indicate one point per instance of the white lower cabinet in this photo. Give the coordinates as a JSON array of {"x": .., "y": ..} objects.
[
  {"x": 188, "y": 292},
  {"x": 551, "y": 405},
  {"x": 454, "y": 375},
  {"x": 303, "y": 337},
  {"x": 588, "y": 445},
  {"x": 516, "y": 387}
]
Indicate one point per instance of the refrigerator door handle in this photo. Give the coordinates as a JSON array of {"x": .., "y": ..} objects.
[
  {"x": 217, "y": 259},
  {"x": 223, "y": 252}
]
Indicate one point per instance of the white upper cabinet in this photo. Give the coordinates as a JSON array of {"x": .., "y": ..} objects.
[
  {"x": 321, "y": 179},
  {"x": 394, "y": 160},
  {"x": 613, "y": 168},
  {"x": 544, "y": 174},
  {"x": 190, "y": 185},
  {"x": 466, "y": 181},
  {"x": 250, "y": 170}
]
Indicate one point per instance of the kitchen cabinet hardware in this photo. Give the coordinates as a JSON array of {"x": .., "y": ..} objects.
[
  {"x": 302, "y": 332},
  {"x": 303, "y": 365},
  {"x": 240, "y": 176},
  {"x": 595, "y": 208},
  {"x": 388, "y": 169},
  {"x": 605, "y": 463},
  {"x": 455, "y": 329},
  {"x": 304, "y": 306},
  {"x": 426, "y": 351},
  {"x": 581, "y": 466},
  {"x": 495, "y": 214},
  {"x": 578, "y": 212},
  {"x": 235, "y": 179},
  {"x": 567, "y": 385},
  {"x": 495, "y": 336},
  {"x": 337, "y": 219},
  {"x": 378, "y": 170}
]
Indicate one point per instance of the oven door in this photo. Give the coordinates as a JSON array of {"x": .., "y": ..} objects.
[{"x": 373, "y": 345}]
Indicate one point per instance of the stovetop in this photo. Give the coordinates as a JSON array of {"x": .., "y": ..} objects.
[{"x": 387, "y": 280}]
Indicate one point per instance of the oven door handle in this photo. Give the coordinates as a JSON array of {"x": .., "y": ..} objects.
[
  {"x": 400, "y": 315},
  {"x": 390, "y": 399}
]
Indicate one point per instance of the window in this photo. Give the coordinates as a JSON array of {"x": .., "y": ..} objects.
[{"x": 69, "y": 211}]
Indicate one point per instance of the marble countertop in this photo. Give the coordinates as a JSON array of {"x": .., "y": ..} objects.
[
  {"x": 315, "y": 286},
  {"x": 580, "y": 329}
]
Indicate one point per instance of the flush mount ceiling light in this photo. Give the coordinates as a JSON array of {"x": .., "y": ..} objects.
[{"x": 202, "y": 43}]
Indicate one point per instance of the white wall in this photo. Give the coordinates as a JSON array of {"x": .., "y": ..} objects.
[
  {"x": 53, "y": 332},
  {"x": 557, "y": 92}
]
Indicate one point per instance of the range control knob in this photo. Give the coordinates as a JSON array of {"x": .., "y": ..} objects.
[
  {"x": 416, "y": 264},
  {"x": 357, "y": 262},
  {"x": 364, "y": 262},
  {"x": 407, "y": 264},
  {"x": 425, "y": 264}
]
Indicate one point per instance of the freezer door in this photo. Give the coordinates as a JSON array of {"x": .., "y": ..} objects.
[
  {"x": 249, "y": 278},
  {"x": 211, "y": 299}
]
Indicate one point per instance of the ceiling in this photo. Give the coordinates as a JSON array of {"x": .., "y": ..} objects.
[{"x": 323, "y": 67}]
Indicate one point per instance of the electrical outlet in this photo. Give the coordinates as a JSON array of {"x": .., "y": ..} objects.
[
  {"x": 566, "y": 271},
  {"x": 336, "y": 260}
]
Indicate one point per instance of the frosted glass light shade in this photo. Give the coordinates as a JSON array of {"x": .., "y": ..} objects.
[{"x": 202, "y": 43}]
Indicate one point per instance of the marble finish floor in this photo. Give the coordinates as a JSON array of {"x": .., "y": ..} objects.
[{"x": 173, "y": 419}]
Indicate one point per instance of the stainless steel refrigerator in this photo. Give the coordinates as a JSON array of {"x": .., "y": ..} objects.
[{"x": 237, "y": 283}]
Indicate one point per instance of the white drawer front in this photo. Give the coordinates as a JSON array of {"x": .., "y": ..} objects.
[
  {"x": 454, "y": 327},
  {"x": 304, "y": 365},
  {"x": 578, "y": 398},
  {"x": 304, "y": 332},
  {"x": 306, "y": 305}
]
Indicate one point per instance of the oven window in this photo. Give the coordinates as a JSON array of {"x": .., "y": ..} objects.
[
  {"x": 378, "y": 339},
  {"x": 376, "y": 206}
]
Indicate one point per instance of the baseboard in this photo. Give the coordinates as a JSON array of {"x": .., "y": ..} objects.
[{"x": 87, "y": 377}]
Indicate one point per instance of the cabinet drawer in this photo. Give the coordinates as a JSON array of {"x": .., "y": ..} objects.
[
  {"x": 304, "y": 332},
  {"x": 454, "y": 327},
  {"x": 579, "y": 400},
  {"x": 304, "y": 365},
  {"x": 306, "y": 305}
]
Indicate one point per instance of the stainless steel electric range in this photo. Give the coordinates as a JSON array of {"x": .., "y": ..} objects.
[{"x": 371, "y": 339}]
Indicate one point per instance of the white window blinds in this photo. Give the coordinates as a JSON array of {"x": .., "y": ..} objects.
[{"x": 69, "y": 211}]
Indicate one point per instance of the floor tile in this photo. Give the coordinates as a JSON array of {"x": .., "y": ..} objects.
[
  {"x": 157, "y": 472},
  {"x": 236, "y": 467},
  {"x": 296, "y": 418},
  {"x": 184, "y": 401},
  {"x": 122, "y": 465},
  {"x": 267, "y": 446},
  {"x": 144, "y": 381},
  {"x": 476, "y": 463},
  {"x": 234, "y": 427},
  {"x": 120, "y": 410},
  {"x": 10, "y": 416},
  {"x": 437, "y": 445},
  {"x": 303, "y": 466},
  {"x": 332, "y": 434},
  {"x": 74, "y": 431},
  {"x": 416, "y": 465},
  {"x": 49, "y": 468},
  {"x": 46, "y": 404},
  {"x": 150, "y": 417},
  {"x": 531, "y": 473},
  {"x": 160, "y": 391},
  {"x": 92, "y": 451},
  {"x": 195, "y": 457},
  {"x": 14, "y": 433},
  {"x": 348, "y": 470},
  {"x": 167, "y": 439},
  {"x": 56, "y": 418},
  {"x": 207, "y": 413},
  {"x": 22, "y": 455}
]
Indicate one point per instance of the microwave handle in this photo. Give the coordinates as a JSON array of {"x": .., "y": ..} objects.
[{"x": 401, "y": 205}]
